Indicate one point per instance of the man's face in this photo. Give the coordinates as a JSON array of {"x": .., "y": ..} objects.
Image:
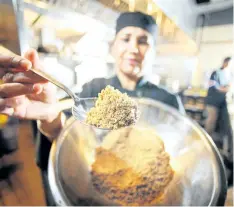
[
  {"x": 226, "y": 64},
  {"x": 131, "y": 47}
]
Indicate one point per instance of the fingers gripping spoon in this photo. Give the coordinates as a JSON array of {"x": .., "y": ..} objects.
[
  {"x": 81, "y": 105},
  {"x": 79, "y": 109}
]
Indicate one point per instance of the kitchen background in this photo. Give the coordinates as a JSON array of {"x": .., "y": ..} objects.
[
  {"x": 73, "y": 38},
  {"x": 192, "y": 40}
]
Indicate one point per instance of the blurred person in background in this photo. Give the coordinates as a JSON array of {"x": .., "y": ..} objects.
[
  {"x": 27, "y": 96},
  {"x": 218, "y": 123},
  {"x": 219, "y": 86}
]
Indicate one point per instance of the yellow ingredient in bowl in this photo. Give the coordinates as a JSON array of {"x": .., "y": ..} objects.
[{"x": 132, "y": 167}]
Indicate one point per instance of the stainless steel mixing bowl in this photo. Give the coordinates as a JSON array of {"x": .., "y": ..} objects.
[{"x": 199, "y": 171}]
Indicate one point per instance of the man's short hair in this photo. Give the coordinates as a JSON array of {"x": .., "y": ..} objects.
[{"x": 226, "y": 60}]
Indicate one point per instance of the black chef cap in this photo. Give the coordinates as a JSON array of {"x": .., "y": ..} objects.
[{"x": 136, "y": 19}]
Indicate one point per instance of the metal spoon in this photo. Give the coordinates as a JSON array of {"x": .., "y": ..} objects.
[{"x": 81, "y": 105}]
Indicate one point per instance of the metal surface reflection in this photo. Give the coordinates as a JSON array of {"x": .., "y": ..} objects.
[{"x": 199, "y": 174}]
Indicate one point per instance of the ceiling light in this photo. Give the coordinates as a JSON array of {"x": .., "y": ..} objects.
[
  {"x": 117, "y": 2},
  {"x": 150, "y": 7},
  {"x": 132, "y": 5}
]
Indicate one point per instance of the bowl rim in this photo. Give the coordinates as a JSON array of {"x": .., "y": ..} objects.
[{"x": 55, "y": 184}]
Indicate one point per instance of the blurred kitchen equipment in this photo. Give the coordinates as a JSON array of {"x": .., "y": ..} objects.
[
  {"x": 49, "y": 42},
  {"x": 12, "y": 26},
  {"x": 199, "y": 180}
]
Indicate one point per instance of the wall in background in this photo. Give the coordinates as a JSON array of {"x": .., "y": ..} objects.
[
  {"x": 216, "y": 43},
  {"x": 223, "y": 17},
  {"x": 176, "y": 67}
]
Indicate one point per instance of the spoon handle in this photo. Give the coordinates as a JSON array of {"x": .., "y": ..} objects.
[
  {"x": 45, "y": 75},
  {"x": 55, "y": 82}
]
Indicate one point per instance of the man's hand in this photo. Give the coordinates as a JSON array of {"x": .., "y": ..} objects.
[
  {"x": 212, "y": 83},
  {"x": 224, "y": 89}
]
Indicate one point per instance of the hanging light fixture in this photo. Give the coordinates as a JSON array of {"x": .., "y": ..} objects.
[
  {"x": 167, "y": 27},
  {"x": 159, "y": 18},
  {"x": 132, "y": 5},
  {"x": 117, "y": 2},
  {"x": 172, "y": 30},
  {"x": 150, "y": 7}
]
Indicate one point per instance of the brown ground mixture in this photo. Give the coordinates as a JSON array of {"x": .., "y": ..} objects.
[
  {"x": 132, "y": 167},
  {"x": 113, "y": 110}
]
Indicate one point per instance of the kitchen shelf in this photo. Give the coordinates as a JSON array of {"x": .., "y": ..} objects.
[{"x": 194, "y": 104}]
